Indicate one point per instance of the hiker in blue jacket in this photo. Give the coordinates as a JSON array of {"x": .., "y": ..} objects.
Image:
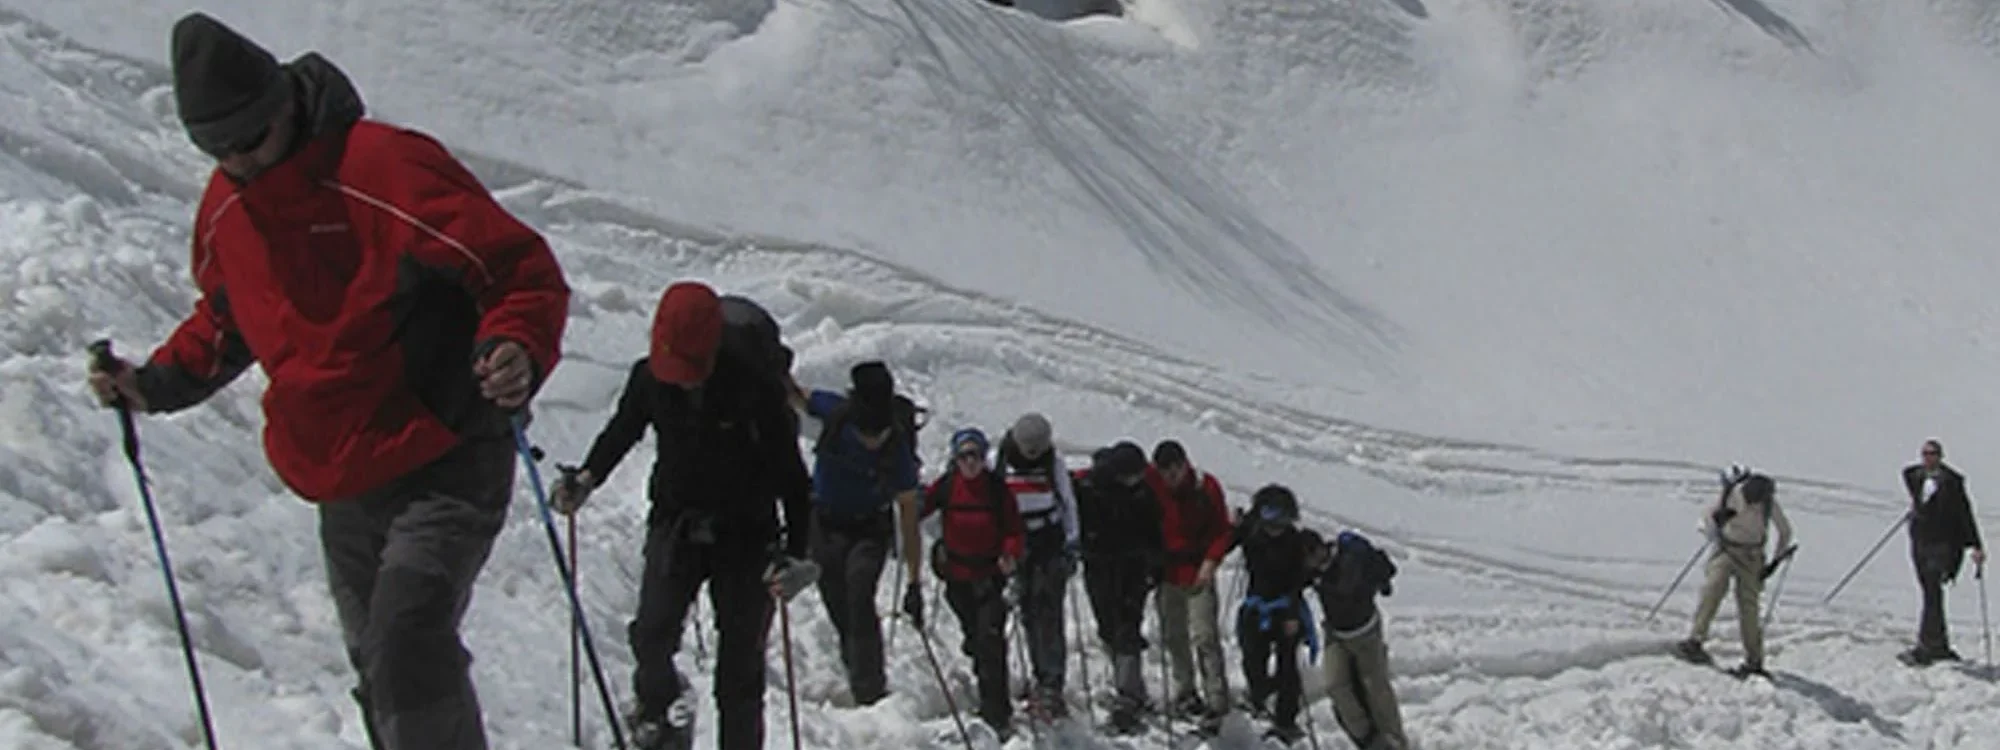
[{"x": 864, "y": 464}]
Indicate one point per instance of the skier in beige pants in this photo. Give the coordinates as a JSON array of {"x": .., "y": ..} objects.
[{"x": 1738, "y": 520}]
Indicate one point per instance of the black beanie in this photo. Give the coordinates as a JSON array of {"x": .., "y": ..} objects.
[
  {"x": 227, "y": 87},
  {"x": 1169, "y": 453},
  {"x": 873, "y": 394}
]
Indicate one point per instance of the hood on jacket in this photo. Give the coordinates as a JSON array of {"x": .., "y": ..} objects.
[{"x": 328, "y": 101}]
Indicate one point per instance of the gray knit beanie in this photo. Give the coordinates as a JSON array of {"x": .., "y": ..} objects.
[{"x": 227, "y": 88}]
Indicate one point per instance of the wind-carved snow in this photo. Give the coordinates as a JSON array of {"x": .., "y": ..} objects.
[{"x": 1529, "y": 562}]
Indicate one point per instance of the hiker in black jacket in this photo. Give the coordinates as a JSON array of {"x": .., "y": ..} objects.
[
  {"x": 727, "y": 444},
  {"x": 1941, "y": 528},
  {"x": 1122, "y": 556},
  {"x": 1281, "y": 560},
  {"x": 1357, "y": 659}
]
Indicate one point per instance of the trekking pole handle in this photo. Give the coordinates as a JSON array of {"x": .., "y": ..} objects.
[{"x": 101, "y": 357}]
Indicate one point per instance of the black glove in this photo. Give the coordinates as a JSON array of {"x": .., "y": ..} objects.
[
  {"x": 913, "y": 604},
  {"x": 1721, "y": 517}
]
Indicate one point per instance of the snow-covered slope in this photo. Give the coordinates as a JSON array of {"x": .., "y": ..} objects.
[{"x": 1498, "y": 285}]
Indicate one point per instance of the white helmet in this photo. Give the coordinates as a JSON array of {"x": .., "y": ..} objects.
[{"x": 1735, "y": 473}]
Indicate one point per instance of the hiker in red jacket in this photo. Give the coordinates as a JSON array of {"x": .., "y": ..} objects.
[
  {"x": 982, "y": 540},
  {"x": 399, "y": 315},
  {"x": 1195, "y": 524}
]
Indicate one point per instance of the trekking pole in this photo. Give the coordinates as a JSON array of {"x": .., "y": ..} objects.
[
  {"x": 791, "y": 682},
  {"x": 1166, "y": 679},
  {"x": 568, "y": 578},
  {"x": 100, "y": 353},
  {"x": 897, "y": 612},
  {"x": 1034, "y": 691},
  {"x": 1312, "y": 732},
  {"x": 1777, "y": 592},
  {"x": 1082, "y": 651},
  {"x": 700, "y": 641},
  {"x": 1783, "y": 567},
  {"x": 1985, "y": 625},
  {"x": 930, "y": 654},
  {"x": 1865, "y": 558},
  {"x": 569, "y": 479},
  {"x": 575, "y": 662},
  {"x": 1677, "y": 579}
]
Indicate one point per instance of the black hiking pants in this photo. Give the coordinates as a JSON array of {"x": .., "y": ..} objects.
[
  {"x": 1260, "y": 646},
  {"x": 400, "y": 562},
  {"x": 1118, "y": 587},
  {"x": 1043, "y": 578},
  {"x": 1936, "y": 564},
  {"x": 850, "y": 559},
  {"x": 677, "y": 563},
  {"x": 981, "y": 607}
]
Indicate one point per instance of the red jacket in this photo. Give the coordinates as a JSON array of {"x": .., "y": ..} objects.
[
  {"x": 364, "y": 274},
  {"x": 1194, "y": 522},
  {"x": 981, "y": 524}
]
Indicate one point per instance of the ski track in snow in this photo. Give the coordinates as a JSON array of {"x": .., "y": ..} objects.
[{"x": 98, "y": 186}]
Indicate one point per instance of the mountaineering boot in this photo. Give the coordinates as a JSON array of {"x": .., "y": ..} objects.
[
  {"x": 1187, "y": 708},
  {"x": 673, "y": 730},
  {"x": 1127, "y": 718},
  {"x": 1691, "y": 650},
  {"x": 1921, "y": 656},
  {"x": 1286, "y": 733},
  {"x": 1258, "y": 707},
  {"x": 1210, "y": 723},
  {"x": 1746, "y": 670}
]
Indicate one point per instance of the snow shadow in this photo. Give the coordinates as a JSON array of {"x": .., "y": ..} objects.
[
  {"x": 1069, "y": 10},
  {"x": 1981, "y": 672},
  {"x": 1838, "y": 705},
  {"x": 1185, "y": 219},
  {"x": 1767, "y": 19}
]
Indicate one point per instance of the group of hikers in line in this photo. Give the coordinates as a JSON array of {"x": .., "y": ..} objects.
[
  {"x": 404, "y": 320},
  {"x": 1013, "y": 525}
]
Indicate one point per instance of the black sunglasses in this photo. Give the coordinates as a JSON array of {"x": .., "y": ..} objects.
[{"x": 244, "y": 145}]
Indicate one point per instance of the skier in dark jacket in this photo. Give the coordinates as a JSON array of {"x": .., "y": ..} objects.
[
  {"x": 862, "y": 465},
  {"x": 727, "y": 458},
  {"x": 1122, "y": 558},
  {"x": 1941, "y": 529},
  {"x": 1282, "y": 560},
  {"x": 981, "y": 543},
  {"x": 398, "y": 314},
  {"x": 1357, "y": 659}
]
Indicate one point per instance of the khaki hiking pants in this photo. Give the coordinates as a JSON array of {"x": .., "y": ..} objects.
[
  {"x": 1357, "y": 681},
  {"x": 1744, "y": 566},
  {"x": 1188, "y": 632}
]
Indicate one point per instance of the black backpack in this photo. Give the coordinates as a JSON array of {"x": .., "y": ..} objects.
[
  {"x": 750, "y": 331},
  {"x": 906, "y": 420}
]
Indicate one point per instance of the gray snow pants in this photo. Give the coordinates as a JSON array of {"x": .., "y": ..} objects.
[
  {"x": 850, "y": 562},
  {"x": 1188, "y": 633},
  {"x": 1043, "y": 578},
  {"x": 1357, "y": 681},
  {"x": 401, "y": 561}
]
